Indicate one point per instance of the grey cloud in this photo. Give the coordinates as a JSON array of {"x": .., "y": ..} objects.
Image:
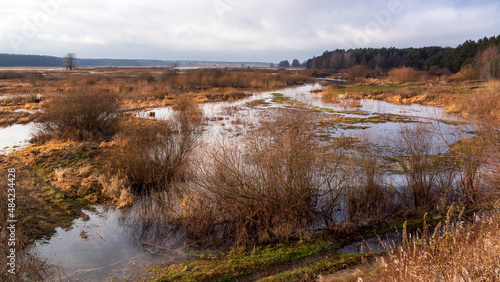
[{"x": 241, "y": 29}]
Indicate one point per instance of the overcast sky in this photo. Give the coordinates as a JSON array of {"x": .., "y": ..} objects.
[{"x": 236, "y": 30}]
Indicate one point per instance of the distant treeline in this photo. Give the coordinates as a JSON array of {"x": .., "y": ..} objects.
[
  {"x": 419, "y": 58},
  {"x": 11, "y": 60}
]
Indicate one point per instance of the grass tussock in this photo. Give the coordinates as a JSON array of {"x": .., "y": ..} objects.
[
  {"x": 455, "y": 251},
  {"x": 80, "y": 114}
]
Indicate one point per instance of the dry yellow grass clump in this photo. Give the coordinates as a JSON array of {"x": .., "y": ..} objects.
[{"x": 454, "y": 252}]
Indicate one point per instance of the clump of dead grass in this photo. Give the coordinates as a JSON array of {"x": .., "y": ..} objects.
[
  {"x": 455, "y": 251},
  {"x": 118, "y": 189}
]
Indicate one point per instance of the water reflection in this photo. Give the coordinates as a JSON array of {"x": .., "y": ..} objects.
[
  {"x": 106, "y": 244},
  {"x": 230, "y": 119},
  {"x": 15, "y": 137}
]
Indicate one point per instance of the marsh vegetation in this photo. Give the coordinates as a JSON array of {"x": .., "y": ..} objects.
[{"x": 287, "y": 177}]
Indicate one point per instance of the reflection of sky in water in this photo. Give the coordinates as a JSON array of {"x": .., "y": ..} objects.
[
  {"x": 108, "y": 251},
  {"x": 14, "y": 136},
  {"x": 232, "y": 119}
]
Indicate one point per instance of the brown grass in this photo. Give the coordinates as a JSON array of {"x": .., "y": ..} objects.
[
  {"x": 403, "y": 75},
  {"x": 455, "y": 251}
]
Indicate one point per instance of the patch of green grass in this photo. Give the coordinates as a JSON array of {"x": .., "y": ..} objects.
[
  {"x": 353, "y": 127},
  {"x": 353, "y": 112},
  {"x": 330, "y": 264},
  {"x": 453, "y": 122},
  {"x": 256, "y": 103},
  {"x": 280, "y": 98},
  {"x": 237, "y": 263},
  {"x": 70, "y": 156},
  {"x": 367, "y": 89},
  {"x": 380, "y": 118}
]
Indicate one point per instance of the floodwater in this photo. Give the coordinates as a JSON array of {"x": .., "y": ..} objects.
[
  {"x": 120, "y": 243},
  {"x": 15, "y": 137},
  {"x": 231, "y": 119},
  {"x": 106, "y": 245}
]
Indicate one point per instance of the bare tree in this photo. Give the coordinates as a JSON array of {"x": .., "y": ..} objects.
[{"x": 69, "y": 61}]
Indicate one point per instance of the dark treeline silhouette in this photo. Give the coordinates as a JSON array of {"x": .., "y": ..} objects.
[
  {"x": 11, "y": 60},
  {"x": 419, "y": 58}
]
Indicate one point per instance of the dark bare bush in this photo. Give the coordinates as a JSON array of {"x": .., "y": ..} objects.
[
  {"x": 153, "y": 155},
  {"x": 358, "y": 71},
  {"x": 81, "y": 114},
  {"x": 470, "y": 157},
  {"x": 368, "y": 200},
  {"x": 275, "y": 186},
  {"x": 426, "y": 173}
]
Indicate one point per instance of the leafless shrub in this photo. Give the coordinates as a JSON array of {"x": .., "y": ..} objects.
[
  {"x": 154, "y": 154},
  {"x": 469, "y": 156},
  {"x": 81, "y": 114},
  {"x": 272, "y": 187},
  {"x": 415, "y": 151},
  {"x": 358, "y": 71},
  {"x": 368, "y": 199}
]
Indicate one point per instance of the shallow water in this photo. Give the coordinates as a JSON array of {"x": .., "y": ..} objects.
[
  {"x": 15, "y": 137},
  {"x": 231, "y": 119},
  {"x": 103, "y": 246}
]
